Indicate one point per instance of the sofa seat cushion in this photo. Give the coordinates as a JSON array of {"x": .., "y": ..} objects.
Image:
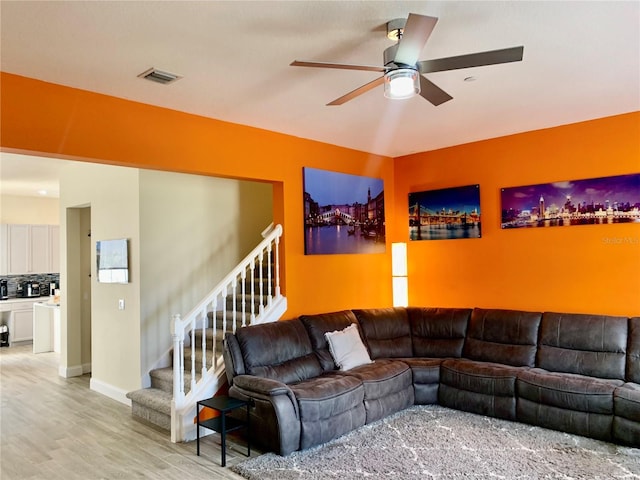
[
  {"x": 480, "y": 387},
  {"x": 388, "y": 387},
  {"x": 327, "y": 395},
  {"x": 382, "y": 378},
  {"x": 482, "y": 377},
  {"x": 568, "y": 390},
  {"x": 426, "y": 379},
  {"x": 330, "y": 406},
  {"x": 626, "y": 401},
  {"x": 626, "y": 422},
  {"x": 424, "y": 370}
]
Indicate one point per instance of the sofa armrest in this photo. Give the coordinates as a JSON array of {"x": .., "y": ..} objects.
[
  {"x": 261, "y": 386},
  {"x": 274, "y": 413}
]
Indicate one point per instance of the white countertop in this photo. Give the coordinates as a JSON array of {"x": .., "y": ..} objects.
[
  {"x": 24, "y": 299},
  {"x": 47, "y": 304}
]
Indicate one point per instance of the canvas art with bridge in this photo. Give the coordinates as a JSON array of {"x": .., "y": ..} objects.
[
  {"x": 343, "y": 213},
  {"x": 445, "y": 214}
]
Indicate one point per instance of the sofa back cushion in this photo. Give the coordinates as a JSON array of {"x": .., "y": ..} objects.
[
  {"x": 593, "y": 345},
  {"x": 438, "y": 332},
  {"x": 502, "y": 336},
  {"x": 279, "y": 350},
  {"x": 386, "y": 331},
  {"x": 633, "y": 351},
  {"x": 317, "y": 325}
]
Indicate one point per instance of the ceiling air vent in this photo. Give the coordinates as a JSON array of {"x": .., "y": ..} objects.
[{"x": 159, "y": 76}]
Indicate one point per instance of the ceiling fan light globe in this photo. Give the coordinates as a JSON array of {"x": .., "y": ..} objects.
[{"x": 401, "y": 83}]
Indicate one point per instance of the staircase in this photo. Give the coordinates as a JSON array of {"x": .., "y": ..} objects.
[{"x": 249, "y": 294}]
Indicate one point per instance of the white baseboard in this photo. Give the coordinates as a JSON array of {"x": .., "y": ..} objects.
[
  {"x": 110, "y": 391},
  {"x": 74, "y": 371}
]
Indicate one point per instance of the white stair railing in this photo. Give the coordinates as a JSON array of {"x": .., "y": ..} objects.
[{"x": 225, "y": 309}]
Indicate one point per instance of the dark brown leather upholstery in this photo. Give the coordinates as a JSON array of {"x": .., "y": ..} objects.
[
  {"x": 426, "y": 379},
  {"x": 498, "y": 343},
  {"x": 330, "y": 405},
  {"x": 626, "y": 399},
  {"x": 593, "y": 345},
  {"x": 318, "y": 325},
  {"x": 568, "y": 391},
  {"x": 502, "y": 336},
  {"x": 593, "y": 425},
  {"x": 281, "y": 351},
  {"x": 633, "y": 351},
  {"x": 388, "y": 387},
  {"x": 561, "y": 371},
  {"x": 438, "y": 332},
  {"x": 492, "y": 386},
  {"x": 626, "y": 422},
  {"x": 581, "y": 360},
  {"x": 387, "y": 332}
]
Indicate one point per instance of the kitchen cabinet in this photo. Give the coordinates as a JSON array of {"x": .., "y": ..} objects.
[
  {"x": 54, "y": 248},
  {"x": 46, "y": 327},
  {"x": 21, "y": 326},
  {"x": 20, "y": 318},
  {"x": 29, "y": 249}
]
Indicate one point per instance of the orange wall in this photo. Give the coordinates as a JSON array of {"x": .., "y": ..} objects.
[
  {"x": 53, "y": 120},
  {"x": 565, "y": 269},
  {"x": 589, "y": 269}
]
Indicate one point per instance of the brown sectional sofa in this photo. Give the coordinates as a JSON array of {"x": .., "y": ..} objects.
[{"x": 570, "y": 372}]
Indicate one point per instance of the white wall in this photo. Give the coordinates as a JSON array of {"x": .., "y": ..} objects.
[
  {"x": 193, "y": 230},
  {"x": 185, "y": 233},
  {"x": 112, "y": 194},
  {"x": 18, "y": 209}
]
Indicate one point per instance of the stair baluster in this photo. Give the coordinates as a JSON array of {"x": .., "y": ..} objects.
[{"x": 166, "y": 403}]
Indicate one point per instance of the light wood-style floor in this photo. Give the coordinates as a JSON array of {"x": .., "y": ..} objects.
[{"x": 55, "y": 428}]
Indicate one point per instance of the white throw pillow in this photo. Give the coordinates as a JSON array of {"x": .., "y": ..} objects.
[{"x": 347, "y": 349}]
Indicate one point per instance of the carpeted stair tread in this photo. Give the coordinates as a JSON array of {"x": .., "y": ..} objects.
[
  {"x": 162, "y": 379},
  {"x": 153, "y": 398}
]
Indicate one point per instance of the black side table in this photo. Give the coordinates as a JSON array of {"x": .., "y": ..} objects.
[{"x": 223, "y": 424}]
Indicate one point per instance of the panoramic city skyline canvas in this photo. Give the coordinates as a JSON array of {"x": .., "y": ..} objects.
[
  {"x": 591, "y": 201},
  {"x": 445, "y": 214},
  {"x": 343, "y": 213}
]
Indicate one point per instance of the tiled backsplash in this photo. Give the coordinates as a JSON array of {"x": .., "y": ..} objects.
[{"x": 44, "y": 279}]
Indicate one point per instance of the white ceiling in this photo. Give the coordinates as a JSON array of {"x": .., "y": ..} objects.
[{"x": 581, "y": 61}]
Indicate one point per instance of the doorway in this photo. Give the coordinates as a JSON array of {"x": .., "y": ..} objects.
[{"x": 77, "y": 354}]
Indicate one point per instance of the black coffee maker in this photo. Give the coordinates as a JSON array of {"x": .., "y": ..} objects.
[{"x": 4, "y": 290}]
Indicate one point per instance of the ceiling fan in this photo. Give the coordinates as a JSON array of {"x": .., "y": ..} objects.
[{"x": 403, "y": 75}]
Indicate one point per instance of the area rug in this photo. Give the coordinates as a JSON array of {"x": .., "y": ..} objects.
[{"x": 433, "y": 442}]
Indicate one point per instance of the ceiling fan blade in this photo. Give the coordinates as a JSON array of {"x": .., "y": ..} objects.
[
  {"x": 493, "y": 57},
  {"x": 430, "y": 91},
  {"x": 358, "y": 91},
  {"x": 416, "y": 33},
  {"x": 342, "y": 66}
]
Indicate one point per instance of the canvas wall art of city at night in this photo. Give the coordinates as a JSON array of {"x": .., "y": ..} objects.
[
  {"x": 604, "y": 200},
  {"x": 445, "y": 214},
  {"x": 343, "y": 213}
]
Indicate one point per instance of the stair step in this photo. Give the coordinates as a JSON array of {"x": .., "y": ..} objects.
[{"x": 152, "y": 405}]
